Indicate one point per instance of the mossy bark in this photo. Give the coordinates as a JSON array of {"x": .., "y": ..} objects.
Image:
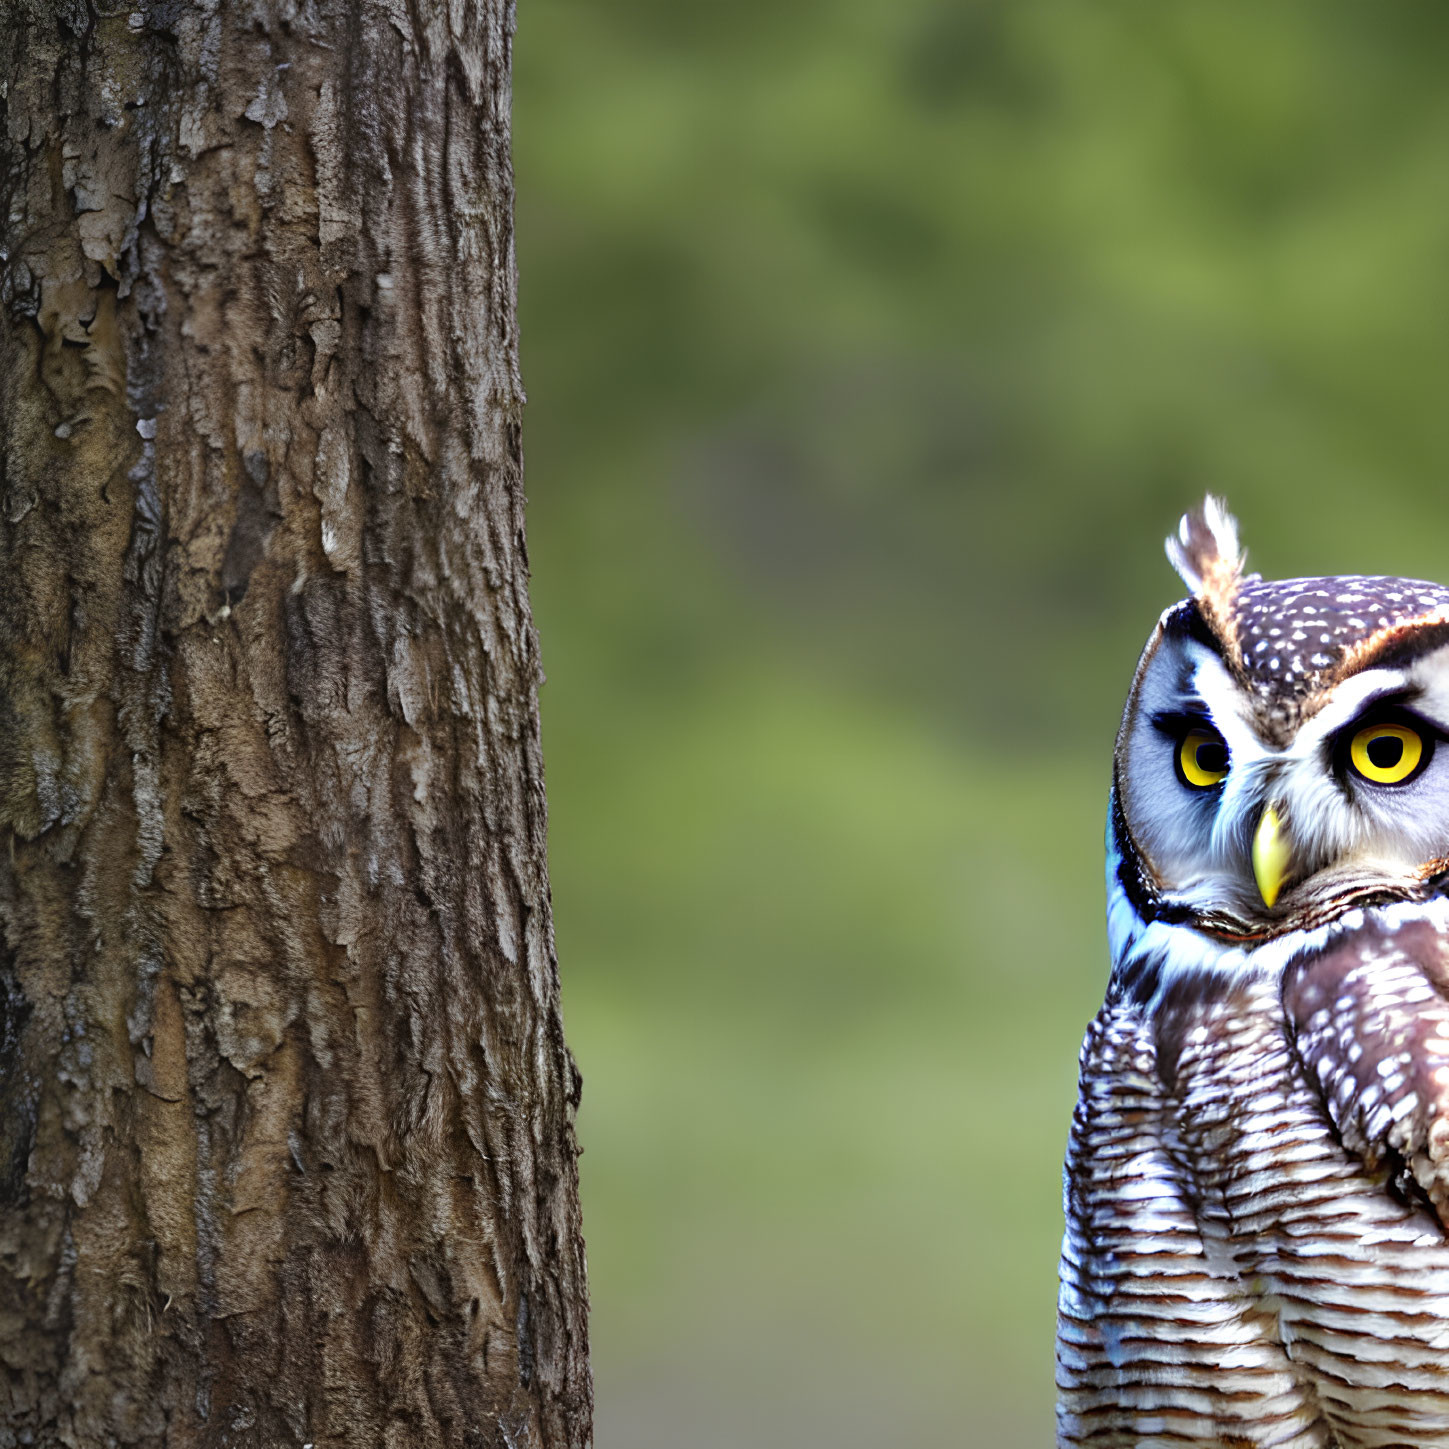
[{"x": 286, "y": 1114}]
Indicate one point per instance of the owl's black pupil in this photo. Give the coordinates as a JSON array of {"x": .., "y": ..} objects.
[
  {"x": 1212, "y": 757},
  {"x": 1385, "y": 752}
]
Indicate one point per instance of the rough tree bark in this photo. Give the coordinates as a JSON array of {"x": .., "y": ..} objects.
[{"x": 286, "y": 1115}]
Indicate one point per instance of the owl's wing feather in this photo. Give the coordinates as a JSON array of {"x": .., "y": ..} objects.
[{"x": 1369, "y": 1019}]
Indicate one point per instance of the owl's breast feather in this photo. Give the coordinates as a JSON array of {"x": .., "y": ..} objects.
[{"x": 1255, "y": 1194}]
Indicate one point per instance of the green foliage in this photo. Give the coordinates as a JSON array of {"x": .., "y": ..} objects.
[{"x": 872, "y": 351}]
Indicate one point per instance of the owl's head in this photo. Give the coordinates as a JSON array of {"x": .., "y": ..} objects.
[{"x": 1284, "y": 754}]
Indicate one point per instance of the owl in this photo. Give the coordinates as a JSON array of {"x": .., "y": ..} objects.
[{"x": 1256, "y": 1187}]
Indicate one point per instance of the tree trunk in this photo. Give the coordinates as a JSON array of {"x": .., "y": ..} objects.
[{"x": 286, "y": 1115}]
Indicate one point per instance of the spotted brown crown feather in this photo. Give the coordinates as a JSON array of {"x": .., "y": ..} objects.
[
  {"x": 1289, "y": 640},
  {"x": 1256, "y": 1190}
]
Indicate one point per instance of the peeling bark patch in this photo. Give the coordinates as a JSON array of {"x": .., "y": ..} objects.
[
  {"x": 247, "y": 541},
  {"x": 18, "y": 1089},
  {"x": 525, "y": 1344}
]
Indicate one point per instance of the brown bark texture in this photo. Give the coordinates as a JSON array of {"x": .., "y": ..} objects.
[{"x": 286, "y": 1115}]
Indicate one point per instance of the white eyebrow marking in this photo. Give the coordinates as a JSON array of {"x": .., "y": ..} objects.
[{"x": 1256, "y": 770}]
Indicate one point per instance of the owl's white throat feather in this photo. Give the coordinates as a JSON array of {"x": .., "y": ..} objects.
[{"x": 1169, "y": 952}]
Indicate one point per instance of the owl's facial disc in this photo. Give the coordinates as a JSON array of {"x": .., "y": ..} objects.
[{"x": 1244, "y": 828}]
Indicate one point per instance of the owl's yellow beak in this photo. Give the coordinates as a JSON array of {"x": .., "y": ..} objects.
[{"x": 1271, "y": 853}]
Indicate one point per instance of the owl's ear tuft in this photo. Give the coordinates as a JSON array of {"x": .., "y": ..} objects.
[{"x": 1205, "y": 551}]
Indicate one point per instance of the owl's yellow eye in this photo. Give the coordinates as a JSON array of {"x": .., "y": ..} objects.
[
  {"x": 1387, "y": 754},
  {"x": 1202, "y": 757}
]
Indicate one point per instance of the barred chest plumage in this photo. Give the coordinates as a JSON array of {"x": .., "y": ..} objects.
[
  {"x": 1256, "y": 1187},
  {"x": 1253, "y": 1254}
]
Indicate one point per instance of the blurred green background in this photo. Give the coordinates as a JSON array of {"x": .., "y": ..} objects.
[{"x": 872, "y": 348}]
